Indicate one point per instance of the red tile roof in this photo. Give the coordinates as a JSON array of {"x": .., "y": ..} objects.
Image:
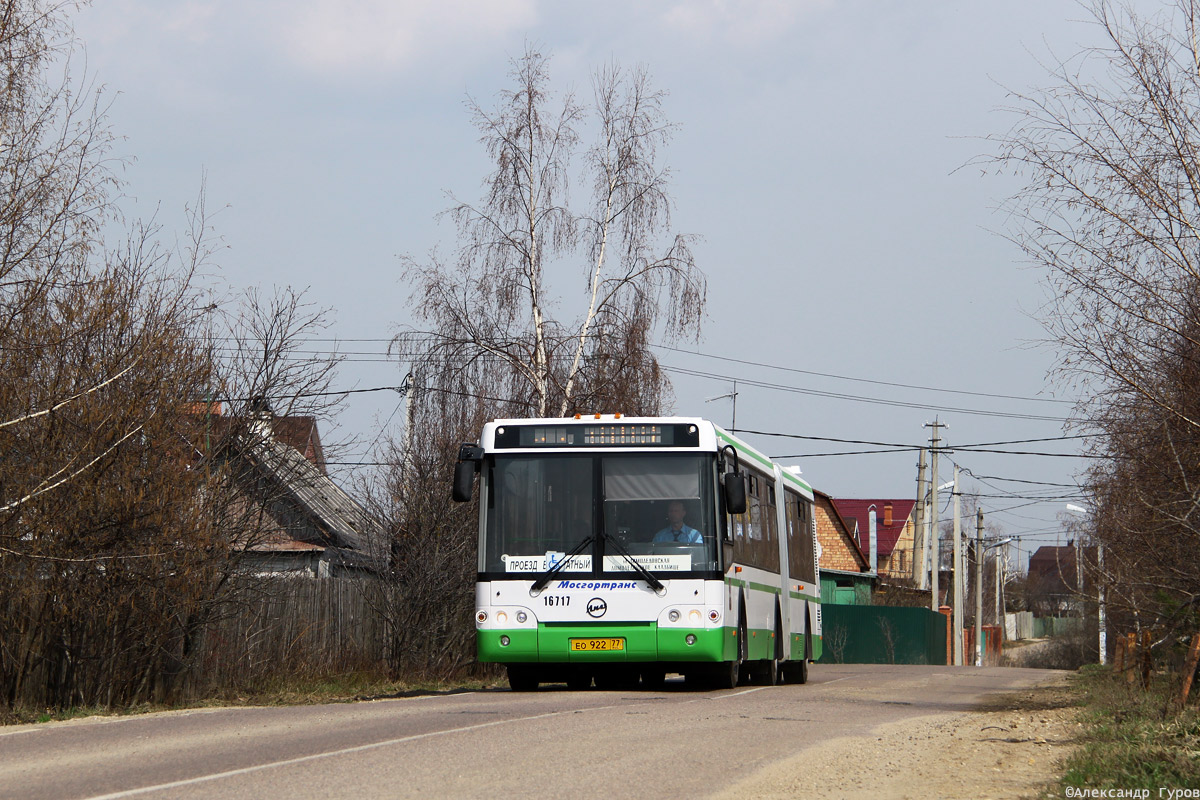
[{"x": 886, "y": 536}]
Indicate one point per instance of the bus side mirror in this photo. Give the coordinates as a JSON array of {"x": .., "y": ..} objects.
[
  {"x": 469, "y": 456},
  {"x": 735, "y": 492}
]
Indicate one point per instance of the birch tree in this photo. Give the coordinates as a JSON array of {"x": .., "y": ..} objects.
[
  {"x": 504, "y": 308},
  {"x": 565, "y": 274}
]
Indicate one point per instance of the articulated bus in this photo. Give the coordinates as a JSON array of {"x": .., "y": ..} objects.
[{"x": 620, "y": 550}]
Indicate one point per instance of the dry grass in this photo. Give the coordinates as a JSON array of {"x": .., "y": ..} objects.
[{"x": 1133, "y": 739}]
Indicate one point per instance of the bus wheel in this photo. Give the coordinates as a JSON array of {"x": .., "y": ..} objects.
[
  {"x": 796, "y": 671},
  {"x": 766, "y": 673},
  {"x": 724, "y": 675},
  {"x": 522, "y": 679}
]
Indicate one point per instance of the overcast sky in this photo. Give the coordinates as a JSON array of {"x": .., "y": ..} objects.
[{"x": 819, "y": 156}]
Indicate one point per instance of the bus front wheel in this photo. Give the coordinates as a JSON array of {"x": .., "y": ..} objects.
[
  {"x": 522, "y": 679},
  {"x": 724, "y": 675}
]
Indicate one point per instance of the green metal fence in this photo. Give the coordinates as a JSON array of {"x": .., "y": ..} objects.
[
  {"x": 1056, "y": 626},
  {"x": 882, "y": 635}
]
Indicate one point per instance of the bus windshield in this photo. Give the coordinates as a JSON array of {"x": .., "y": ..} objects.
[{"x": 660, "y": 507}]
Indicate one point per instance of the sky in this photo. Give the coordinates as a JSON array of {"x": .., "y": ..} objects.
[{"x": 826, "y": 157}]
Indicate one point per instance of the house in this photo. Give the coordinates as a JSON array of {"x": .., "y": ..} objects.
[
  {"x": 289, "y": 517},
  {"x": 1054, "y": 578},
  {"x": 846, "y": 576},
  {"x": 894, "y": 526}
]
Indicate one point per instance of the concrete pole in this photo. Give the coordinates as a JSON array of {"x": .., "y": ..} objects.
[
  {"x": 958, "y": 577},
  {"x": 933, "y": 513},
  {"x": 979, "y": 587},
  {"x": 919, "y": 540},
  {"x": 999, "y": 585}
]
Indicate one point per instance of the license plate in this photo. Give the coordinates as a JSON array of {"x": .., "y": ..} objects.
[{"x": 592, "y": 645}]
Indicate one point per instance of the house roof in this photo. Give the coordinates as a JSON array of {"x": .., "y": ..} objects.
[
  {"x": 886, "y": 536},
  {"x": 301, "y": 433},
  {"x": 346, "y": 522}
]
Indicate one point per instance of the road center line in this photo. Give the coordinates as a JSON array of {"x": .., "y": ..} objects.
[{"x": 330, "y": 754}]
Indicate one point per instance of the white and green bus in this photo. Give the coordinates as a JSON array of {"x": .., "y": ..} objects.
[{"x": 623, "y": 549}]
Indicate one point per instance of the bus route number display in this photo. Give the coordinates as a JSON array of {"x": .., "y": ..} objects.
[{"x": 598, "y": 435}]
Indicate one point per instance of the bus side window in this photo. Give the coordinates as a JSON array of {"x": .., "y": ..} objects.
[{"x": 770, "y": 556}]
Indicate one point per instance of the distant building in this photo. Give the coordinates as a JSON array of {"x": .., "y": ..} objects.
[
  {"x": 1054, "y": 580},
  {"x": 288, "y": 516},
  {"x": 846, "y": 577},
  {"x": 894, "y": 527}
]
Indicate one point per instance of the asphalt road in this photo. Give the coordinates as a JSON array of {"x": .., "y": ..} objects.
[{"x": 553, "y": 743}]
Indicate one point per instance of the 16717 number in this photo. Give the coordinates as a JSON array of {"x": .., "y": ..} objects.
[{"x": 557, "y": 599}]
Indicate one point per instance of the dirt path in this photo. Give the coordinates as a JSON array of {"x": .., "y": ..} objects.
[{"x": 1009, "y": 749}]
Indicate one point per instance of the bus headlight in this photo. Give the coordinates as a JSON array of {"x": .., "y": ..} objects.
[
  {"x": 714, "y": 615},
  {"x": 501, "y": 617},
  {"x": 673, "y": 615},
  {"x": 522, "y": 616},
  {"x": 694, "y": 616},
  {"x": 690, "y": 639},
  {"x": 504, "y": 640},
  {"x": 481, "y": 617}
]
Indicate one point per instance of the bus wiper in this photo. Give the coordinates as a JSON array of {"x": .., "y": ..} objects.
[
  {"x": 541, "y": 582},
  {"x": 654, "y": 582}
]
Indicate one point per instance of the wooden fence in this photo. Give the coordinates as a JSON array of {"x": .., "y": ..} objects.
[{"x": 295, "y": 626}]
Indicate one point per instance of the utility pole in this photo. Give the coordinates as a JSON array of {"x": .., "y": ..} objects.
[
  {"x": 979, "y": 587},
  {"x": 935, "y": 448},
  {"x": 406, "y": 390},
  {"x": 919, "y": 541},
  {"x": 1000, "y": 568},
  {"x": 958, "y": 577}
]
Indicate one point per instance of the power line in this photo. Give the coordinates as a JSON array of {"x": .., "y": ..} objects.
[
  {"x": 860, "y": 399},
  {"x": 1019, "y": 480},
  {"x": 906, "y": 446},
  {"x": 864, "y": 380},
  {"x": 386, "y": 358}
]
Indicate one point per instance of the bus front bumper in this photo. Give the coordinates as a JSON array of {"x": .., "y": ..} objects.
[{"x": 581, "y": 644}]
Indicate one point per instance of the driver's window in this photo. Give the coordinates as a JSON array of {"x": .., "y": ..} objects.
[{"x": 645, "y": 496}]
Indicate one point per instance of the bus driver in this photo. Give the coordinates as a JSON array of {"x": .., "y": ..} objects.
[{"x": 677, "y": 531}]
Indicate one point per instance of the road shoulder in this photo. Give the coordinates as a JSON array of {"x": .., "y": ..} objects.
[{"x": 1010, "y": 747}]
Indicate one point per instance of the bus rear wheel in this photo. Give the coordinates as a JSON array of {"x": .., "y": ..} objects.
[
  {"x": 796, "y": 671},
  {"x": 522, "y": 679},
  {"x": 765, "y": 673}
]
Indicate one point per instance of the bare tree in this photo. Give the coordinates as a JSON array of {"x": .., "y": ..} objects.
[
  {"x": 113, "y": 543},
  {"x": 1110, "y": 211},
  {"x": 503, "y": 338},
  {"x": 496, "y": 309}
]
